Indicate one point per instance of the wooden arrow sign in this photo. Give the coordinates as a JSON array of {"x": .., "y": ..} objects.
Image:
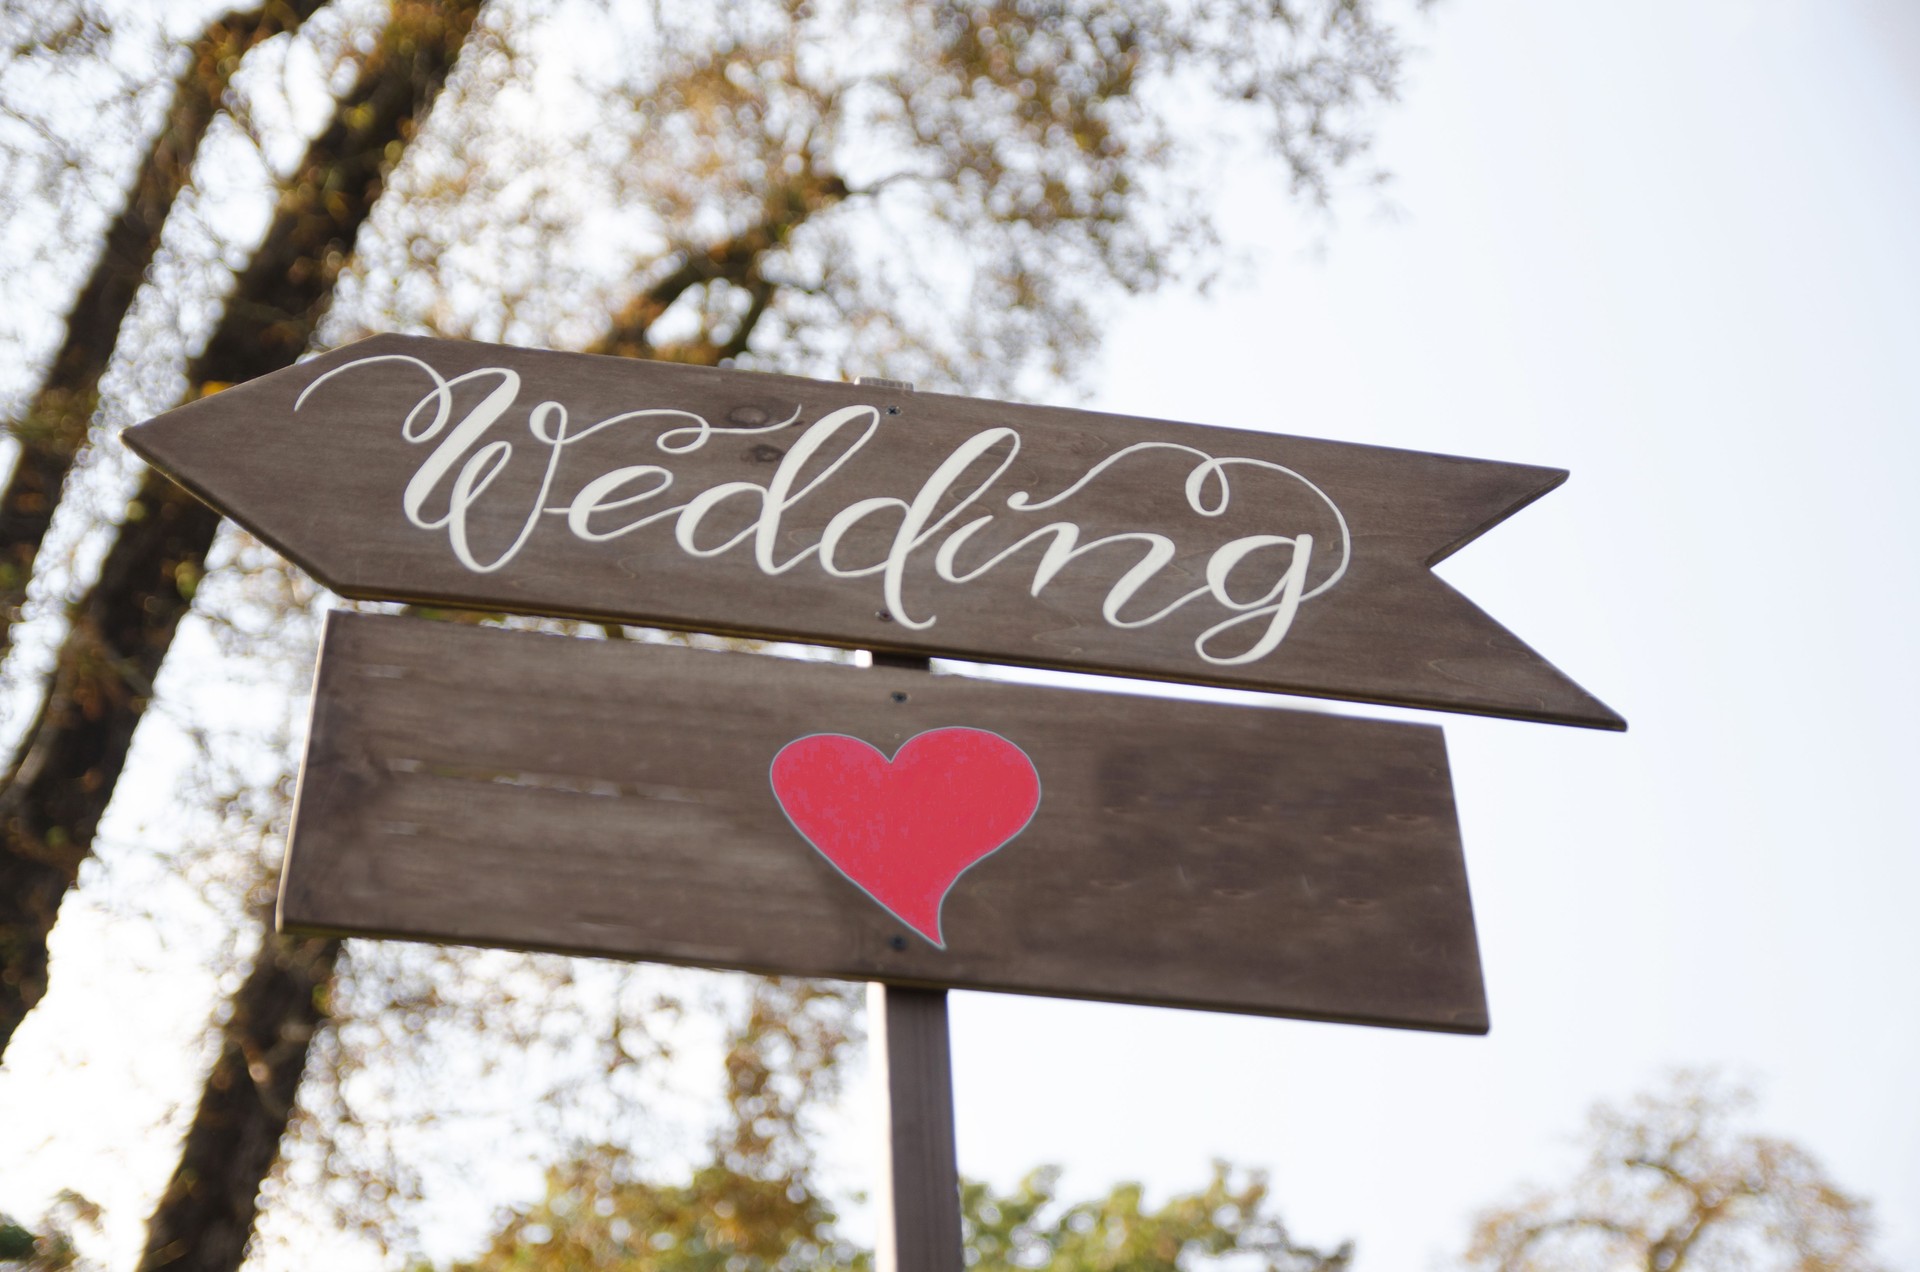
[
  {"x": 652, "y": 802},
  {"x": 475, "y": 475}
]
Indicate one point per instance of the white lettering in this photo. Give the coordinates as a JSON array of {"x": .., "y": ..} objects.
[{"x": 468, "y": 458}]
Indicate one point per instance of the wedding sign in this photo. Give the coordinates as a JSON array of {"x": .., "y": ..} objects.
[
  {"x": 655, "y": 802},
  {"x": 919, "y": 832},
  {"x": 464, "y": 474}
]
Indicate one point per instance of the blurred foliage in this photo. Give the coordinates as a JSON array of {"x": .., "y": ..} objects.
[
  {"x": 753, "y": 1203},
  {"x": 16, "y": 1243},
  {"x": 1673, "y": 1184},
  {"x": 938, "y": 191},
  {"x": 48, "y": 1245},
  {"x": 749, "y": 1203},
  {"x": 1028, "y": 1228},
  {"x": 599, "y": 1215}
]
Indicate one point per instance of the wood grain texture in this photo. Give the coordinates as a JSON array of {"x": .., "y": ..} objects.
[
  {"x": 326, "y": 484},
  {"x": 485, "y": 787},
  {"x": 920, "y": 1179}
]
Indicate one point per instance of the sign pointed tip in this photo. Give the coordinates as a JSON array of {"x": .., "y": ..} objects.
[
  {"x": 178, "y": 442},
  {"x": 1599, "y": 716},
  {"x": 1580, "y": 708},
  {"x": 1575, "y": 705},
  {"x": 1578, "y": 705},
  {"x": 136, "y": 441}
]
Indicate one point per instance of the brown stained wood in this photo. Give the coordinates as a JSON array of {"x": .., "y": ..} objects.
[
  {"x": 535, "y": 531},
  {"x": 484, "y": 787},
  {"x": 920, "y": 1179}
]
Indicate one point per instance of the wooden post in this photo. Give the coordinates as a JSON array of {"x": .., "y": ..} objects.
[
  {"x": 912, "y": 1058},
  {"x": 920, "y": 1180}
]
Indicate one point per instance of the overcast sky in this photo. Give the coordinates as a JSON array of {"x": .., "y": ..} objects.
[{"x": 1672, "y": 248}]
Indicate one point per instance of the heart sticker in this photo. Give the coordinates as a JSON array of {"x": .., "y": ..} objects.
[{"x": 903, "y": 830}]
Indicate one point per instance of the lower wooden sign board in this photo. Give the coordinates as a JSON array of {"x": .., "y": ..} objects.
[{"x": 766, "y": 814}]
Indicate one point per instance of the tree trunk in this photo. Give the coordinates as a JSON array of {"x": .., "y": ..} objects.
[
  {"x": 103, "y": 678},
  {"x": 205, "y": 1218},
  {"x": 54, "y": 425}
]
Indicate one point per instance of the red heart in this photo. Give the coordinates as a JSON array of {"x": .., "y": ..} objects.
[{"x": 904, "y": 829}]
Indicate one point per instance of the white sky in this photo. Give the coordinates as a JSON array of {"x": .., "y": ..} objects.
[{"x": 1671, "y": 247}]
